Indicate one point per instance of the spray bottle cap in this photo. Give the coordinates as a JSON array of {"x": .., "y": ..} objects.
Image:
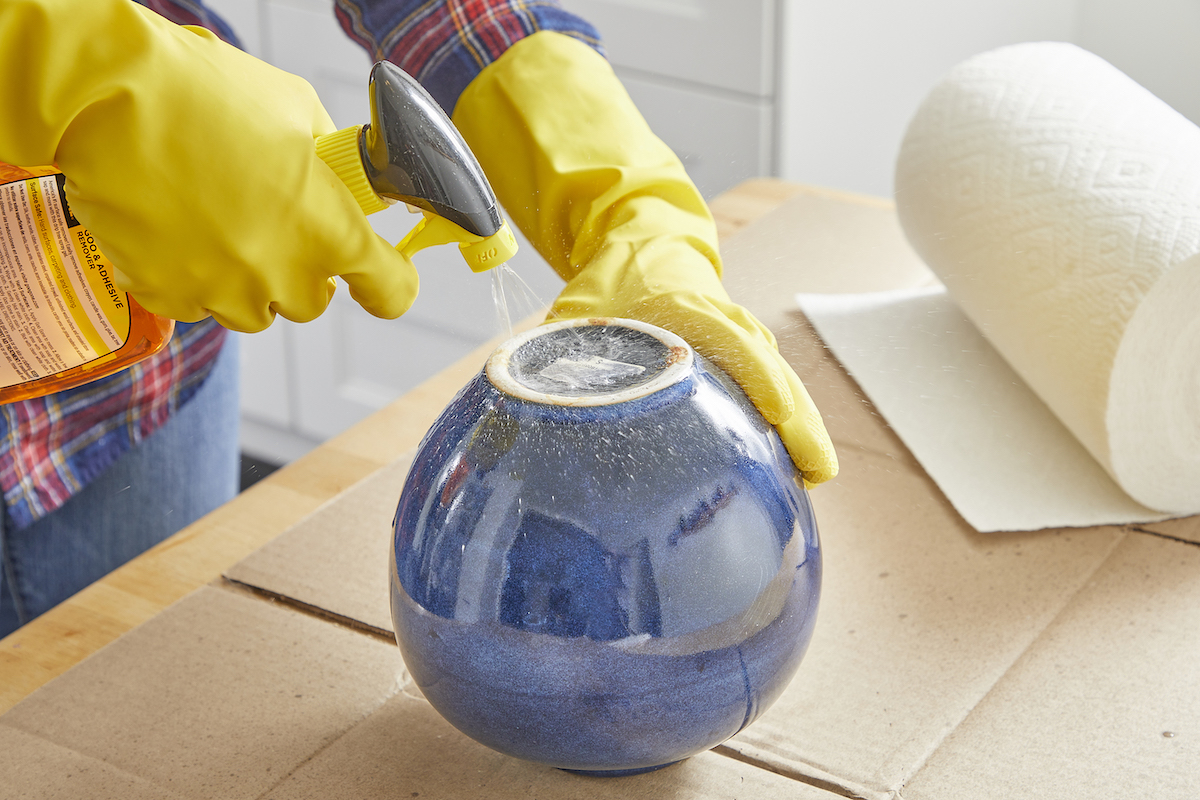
[{"x": 340, "y": 151}]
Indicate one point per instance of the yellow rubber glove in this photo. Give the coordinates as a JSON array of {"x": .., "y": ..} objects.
[
  {"x": 613, "y": 211},
  {"x": 191, "y": 162}
]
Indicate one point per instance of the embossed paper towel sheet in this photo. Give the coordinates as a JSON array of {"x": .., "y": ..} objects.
[
  {"x": 995, "y": 449},
  {"x": 1059, "y": 202}
]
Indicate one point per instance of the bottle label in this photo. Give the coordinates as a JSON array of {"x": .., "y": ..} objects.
[{"x": 59, "y": 307}]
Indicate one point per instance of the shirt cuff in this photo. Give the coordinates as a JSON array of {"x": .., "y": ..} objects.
[{"x": 445, "y": 44}]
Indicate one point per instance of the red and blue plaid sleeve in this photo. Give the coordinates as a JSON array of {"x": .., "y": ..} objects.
[
  {"x": 444, "y": 44},
  {"x": 52, "y": 447}
]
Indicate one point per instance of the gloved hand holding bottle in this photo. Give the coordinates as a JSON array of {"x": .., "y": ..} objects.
[
  {"x": 614, "y": 212},
  {"x": 193, "y": 164}
]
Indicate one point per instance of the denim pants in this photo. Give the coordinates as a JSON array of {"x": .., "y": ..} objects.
[{"x": 173, "y": 477}]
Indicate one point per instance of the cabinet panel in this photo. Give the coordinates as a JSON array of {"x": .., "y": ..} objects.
[
  {"x": 242, "y": 16},
  {"x": 347, "y": 364},
  {"x": 306, "y": 40},
  {"x": 715, "y": 42},
  {"x": 350, "y": 364},
  {"x": 264, "y": 374},
  {"x": 721, "y": 141},
  {"x": 273, "y": 443}
]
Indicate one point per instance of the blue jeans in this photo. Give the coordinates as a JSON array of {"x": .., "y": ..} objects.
[{"x": 176, "y": 475}]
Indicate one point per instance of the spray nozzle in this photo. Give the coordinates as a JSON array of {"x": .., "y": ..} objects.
[
  {"x": 480, "y": 252},
  {"x": 411, "y": 152}
]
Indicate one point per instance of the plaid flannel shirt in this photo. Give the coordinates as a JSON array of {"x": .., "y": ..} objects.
[
  {"x": 51, "y": 447},
  {"x": 444, "y": 44}
]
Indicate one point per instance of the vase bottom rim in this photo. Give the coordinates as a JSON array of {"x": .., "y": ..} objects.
[{"x": 618, "y": 773}]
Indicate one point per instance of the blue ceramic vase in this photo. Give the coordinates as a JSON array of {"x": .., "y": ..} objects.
[{"x": 603, "y": 558}]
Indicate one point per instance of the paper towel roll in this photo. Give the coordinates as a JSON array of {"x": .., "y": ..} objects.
[{"x": 1059, "y": 202}]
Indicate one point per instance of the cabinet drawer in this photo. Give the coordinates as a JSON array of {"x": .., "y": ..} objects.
[
  {"x": 351, "y": 364},
  {"x": 264, "y": 386},
  {"x": 310, "y": 43},
  {"x": 721, "y": 141},
  {"x": 721, "y": 43}
]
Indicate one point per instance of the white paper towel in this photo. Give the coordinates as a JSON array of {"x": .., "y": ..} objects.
[
  {"x": 1059, "y": 202},
  {"x": 995, "y": 449}
]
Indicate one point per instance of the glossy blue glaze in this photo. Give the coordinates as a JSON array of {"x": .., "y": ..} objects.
[{"x": 604, "y": 589}]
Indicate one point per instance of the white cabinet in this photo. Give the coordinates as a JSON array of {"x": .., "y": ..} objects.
[
  {"x": 722, "y": 44},
  {"x": 703, "y": 73}
]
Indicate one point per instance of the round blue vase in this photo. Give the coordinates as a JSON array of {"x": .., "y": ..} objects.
[{"x": 603, "y": 558}]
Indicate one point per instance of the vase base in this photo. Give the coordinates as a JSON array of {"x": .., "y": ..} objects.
[{"x": 618, "y": 773}]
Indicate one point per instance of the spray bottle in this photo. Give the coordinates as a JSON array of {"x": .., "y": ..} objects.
[
  {"x": 411, "y": 152},
  {"x": 64, "y": 323}
]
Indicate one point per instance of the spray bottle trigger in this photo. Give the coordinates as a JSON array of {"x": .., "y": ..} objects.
[{"x": 480, "y": 252}]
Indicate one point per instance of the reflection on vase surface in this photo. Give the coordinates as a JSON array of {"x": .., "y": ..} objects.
[{"x": 607, "y": 588}]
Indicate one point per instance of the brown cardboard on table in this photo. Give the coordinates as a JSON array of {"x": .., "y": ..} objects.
[{"x": 946, "y": 663}]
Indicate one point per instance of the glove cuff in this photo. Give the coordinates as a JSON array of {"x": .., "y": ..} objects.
[
  {"x": 340, "y": 151},
  {"x": 569, "y": 155}
]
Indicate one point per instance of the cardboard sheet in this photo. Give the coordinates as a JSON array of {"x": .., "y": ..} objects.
[
  {"x": 1002, "y": 457},
  {"x": 946, "y": 663},
  {"x": 920, "y": 615},
  {"x": 1103, "y": 705},
  {"x": 406, "y": 750},
  {"x": 36, "y": 767},
  {"x": 336, "y": 559},
  {"x": 1185, "y": 530},
  {"x": 222, "y": 695},
  {"x": 820, "y": 241},
  {"x": 229, "y": 696}
]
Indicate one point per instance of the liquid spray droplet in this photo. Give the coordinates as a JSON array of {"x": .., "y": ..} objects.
[
  {"x": 512, "y": 297},
  {"x": 500, "y": 298}
]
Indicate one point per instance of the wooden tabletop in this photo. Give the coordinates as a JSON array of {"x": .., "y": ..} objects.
[{"x": 200, "y": 553}]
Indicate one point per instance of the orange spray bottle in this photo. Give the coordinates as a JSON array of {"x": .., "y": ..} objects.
[{"x": 63, "y": 322}]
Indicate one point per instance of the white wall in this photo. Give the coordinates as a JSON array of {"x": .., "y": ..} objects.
[
  {"x": 1155, "y": 42},
  {"x": 854, "y": 71}
]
